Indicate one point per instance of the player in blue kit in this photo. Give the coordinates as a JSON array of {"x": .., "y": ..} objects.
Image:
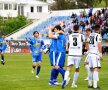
[
  {"x": 36, "y": 48},
  {"x": 3, "y": 45},
  {"x": 57, "y": 52}
]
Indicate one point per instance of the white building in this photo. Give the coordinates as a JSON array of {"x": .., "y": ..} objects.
[{"x": 32, "y": 9}]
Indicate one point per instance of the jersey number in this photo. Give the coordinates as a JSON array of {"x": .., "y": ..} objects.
[
  {"x": 91, "y": 40},
  {"x": 74, "y": 41}
]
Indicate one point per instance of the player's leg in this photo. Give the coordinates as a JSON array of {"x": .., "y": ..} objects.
[
  {"x": 95, "y": 77},
  {"x": 38, "y": 65},
  {"x": 66, "y": 76},
  {"x": 86, "y": 64},
  {"x": 33, "y": 63},
  {"x": 87, "y": 69},
  {"x": 2, "y": 58},
  {"x": 70, "y": 62},
  {"x": 39, "y": 61},
  {"x": 90, "y": 75},
  {"x": 75, "y": 78},
  {"x": 77, "y": 62},
  {"x": 52, "y": 61},
  {"x": 96, "y": 66},
  {"x": 90, "y": 78},
  {"x": 60, "y": 63}
]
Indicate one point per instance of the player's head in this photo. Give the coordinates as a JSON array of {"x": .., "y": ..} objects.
[
  {"x": 3, "y": 36},
  {"x": 76, "y": 28},
  {"x": 88, "y": 31},
  {"x": 97, "y": 28},
  {"x": 57, "y": 28},
  {"x": 36, "y": 34}
]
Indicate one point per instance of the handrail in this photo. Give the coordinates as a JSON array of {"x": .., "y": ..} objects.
[{"x": 19, "y": 29}]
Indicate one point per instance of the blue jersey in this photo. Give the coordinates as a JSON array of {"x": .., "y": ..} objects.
[
  {"x": 61, "y": 43},
  {"x": 53, "y": 46},
  {"x": 36, "y": 46},
  {"x": 3, "y": 44}
]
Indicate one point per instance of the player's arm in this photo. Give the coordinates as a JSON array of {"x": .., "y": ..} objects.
[
  {"x": 51, "y": 35},
  {"x": 87, "y": 46},
  {"x": 100, "y": 47},
  {"x": 42, "y": 46},
  {"x": 67, "y": 45}
]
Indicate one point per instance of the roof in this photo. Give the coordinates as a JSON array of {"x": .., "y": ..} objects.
[{"x": 33, "y": 2}]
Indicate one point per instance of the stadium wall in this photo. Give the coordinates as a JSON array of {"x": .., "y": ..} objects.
[{"x": 69, "y": 12}]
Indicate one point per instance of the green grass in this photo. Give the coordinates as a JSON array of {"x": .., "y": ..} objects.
[{"x": 16, "y": 75}]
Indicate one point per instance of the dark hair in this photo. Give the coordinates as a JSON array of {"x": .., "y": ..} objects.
[
  {"x": 87, "y": 23},
  {"x": 88, "y": 29},
  {"x": 35, "y": 32},
  {"x": 97, "y": 27},
  {"x": 58, "y": 27},
  {"x": 76, "y": 27}
]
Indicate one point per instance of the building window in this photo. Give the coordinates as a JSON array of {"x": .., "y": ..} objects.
[
  {"x": 39, "y": 8},
  {"x": 32, "y": 9},
  {"x": 10, "y": 6},
  {"x": 1, "y": 6},
  {"x": 14, "y": 6},
  {"x": 5, "y": 6}
]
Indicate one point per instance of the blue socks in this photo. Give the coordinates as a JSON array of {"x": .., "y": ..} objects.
[
  {"x": 38, "y": 70},
  {"x": 52, "y": 74},
  {"x": 2, "y": 57},
  {"x": 55, "y": 75},
  {"x": 62, "y": 72}
]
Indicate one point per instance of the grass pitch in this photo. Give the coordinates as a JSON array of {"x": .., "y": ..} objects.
[{"x": 16, "y": 75}]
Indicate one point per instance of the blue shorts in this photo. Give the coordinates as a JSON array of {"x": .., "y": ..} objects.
[
  {"x": 1, "y": 51},
  {"x": 60, "y": 59},
  {"x": 52, "y": 57},
  {"x": 57, "y": 58},
  {"x": 37, "y": 58}
]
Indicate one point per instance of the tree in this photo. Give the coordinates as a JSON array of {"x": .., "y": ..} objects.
[
  {"x": 73, "y": 4},
  {"x": 106, "y": 3},
  {"x": 88, "y": 3},
  {"x": 12, "y": 24},
  {"x": 63, "y": 5}
]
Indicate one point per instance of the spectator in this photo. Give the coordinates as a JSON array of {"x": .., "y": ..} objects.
[
  {"x": 87, "y": 25},
  {"x": 106, "y": 26},
  {"x": 90, "y": 12},
  {"x": 82, "y": 25}
]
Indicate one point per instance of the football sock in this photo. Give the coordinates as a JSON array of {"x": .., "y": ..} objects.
[
  {"x": 95, "y": 79},
  {"x": 87, "y": 68},
  {"x": 52, "y": 74},
  {"x": 62, "y": 72},
  {"x": 55, "y": 75},
  {"x": 2, "y": 57},
  {"x": 75, "y": 77},
  {"x": 95, "y": 76},
  {"x": 38, "y": 70},
  {"x": 66, "y": 75},
  {"x": 90, "y": 75}
]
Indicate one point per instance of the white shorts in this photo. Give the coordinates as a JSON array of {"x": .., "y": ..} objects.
[
  {"x": 93, "y": 60},
  {"x": 74, "y": 60}
]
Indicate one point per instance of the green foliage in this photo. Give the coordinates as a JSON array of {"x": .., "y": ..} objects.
[
  {"x": 63, "y": 5},
  {"x": 71, "y": 4},
  {"x": 11, "y": 24}
]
